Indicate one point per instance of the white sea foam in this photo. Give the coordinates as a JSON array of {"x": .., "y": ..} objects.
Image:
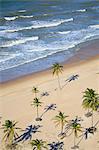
[
  {"x": 94, "y": 26},
  {"x": 53, "y": 48},
  {"x": 6, "y": 59},
  {"x": 40, "y": 57},
  {"x": 16, "y": 17},
  {"x": 45, "y": 14},
  {"x": 75, "y": 37},
  {"x": 21, "y": 11},
  {"x": 40, "y": 24},
  {"x": 10, "y": 18},
  {"x": 17, "y": 42},
  {"x": 64, "y": 32},
  {"x": 8, "y": 56},
  {"x": 8, "y": 30},
  {"x": 81, "y": 10},
  {"x": 23, "y": 16},
  {"x": 44, "y": 24}
]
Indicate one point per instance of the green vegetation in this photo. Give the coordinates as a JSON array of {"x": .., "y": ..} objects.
[
  {"x": 37, "y": 103},
  {"x": 57, "y": 69},
  {"x": 11, "y": 138},
  {"x": 60, "y": 119},
  {"x": 38, "y": 144},
  {"x": 10, "y": 132},
  {"x": 35, "y": 91},
  {"x": 90, "y": 101}
]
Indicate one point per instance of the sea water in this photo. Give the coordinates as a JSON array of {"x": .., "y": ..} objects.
[{"x": 34, "y": 34}]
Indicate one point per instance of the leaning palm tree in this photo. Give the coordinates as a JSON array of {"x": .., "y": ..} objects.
[
  {"x": 90, "y": 101},
  {"x": 60, "y": 119},
  {"x": 57, "y": 69},
  {"x": 35, "y": 91},
  {"x": 37, "y": 103},
  {"x": 10, "y": 133},
  {"x": 38, "y": 144}
]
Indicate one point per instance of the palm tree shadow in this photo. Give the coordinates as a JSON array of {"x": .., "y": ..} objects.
[
  {"x": 45, "y": 94},
  {"x": 71, "y": 78},
  {"x": 56, "y": 145},
  {"x": 71, "y": 127},
  {"x": 88, "y": 131},
  {"x": 48, "y": 108},
  {"x": 27, "y": 133}
]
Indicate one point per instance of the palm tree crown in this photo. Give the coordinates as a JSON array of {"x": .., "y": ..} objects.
[
  {"x": 10, "y": 131},
  {"x": 90, "y": 100},
  {"x": 57, "y": 68},
  {"x": 73, "y": 124},
  {"x": 35, "y": 91},
  {"x": 38, "y": 144},
  {"x": 36, "y": 102}
]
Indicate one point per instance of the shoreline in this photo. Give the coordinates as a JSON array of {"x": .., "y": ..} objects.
[
  {"x": 87, "y": 52},
  {"x": 67, "y": 66}
]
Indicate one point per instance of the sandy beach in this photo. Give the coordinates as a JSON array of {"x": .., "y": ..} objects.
[
  {"x": 49, "y": 75},
  {"x": 16, "y": 97}
]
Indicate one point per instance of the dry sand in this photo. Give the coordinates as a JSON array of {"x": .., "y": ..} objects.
[{"x": 16, "y": 97}]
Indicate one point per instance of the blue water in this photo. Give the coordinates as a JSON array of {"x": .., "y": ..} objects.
[{"x": 33, "y": 31}]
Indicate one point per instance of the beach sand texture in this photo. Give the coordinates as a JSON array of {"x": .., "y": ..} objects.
[{"x": 16, "y": 97}]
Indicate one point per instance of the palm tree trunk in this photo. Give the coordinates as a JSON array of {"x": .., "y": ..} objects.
[
  {"x": 92, "y": 118},
  {"x": 37, "y": 113},
  {"x": 35, "y": 95},
  {"x": 59, "y": 82},
  {"x": 62, "y": 127},
  {"x": 11, "y": 136},
  {"x": 39, "y": 148},
  {"x": 88, "y": 110},
  {"x": 74, "y": 139}
]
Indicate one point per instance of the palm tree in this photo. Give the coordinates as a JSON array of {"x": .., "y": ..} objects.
[
  {"x": 10, "y": 133},
  {"x": 90, "y": 101},
  {"x": 35, "y": 91},
  {"x": 57, "y": 69},
  {"x": 36, "y": 103},
  {"x": 60, "y": 119},
  {"x": 74, "y": 127},
  {"x": 38, "y": 144}
]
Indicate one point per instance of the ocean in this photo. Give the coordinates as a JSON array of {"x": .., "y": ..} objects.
[{"x": 34, "y": 34}]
